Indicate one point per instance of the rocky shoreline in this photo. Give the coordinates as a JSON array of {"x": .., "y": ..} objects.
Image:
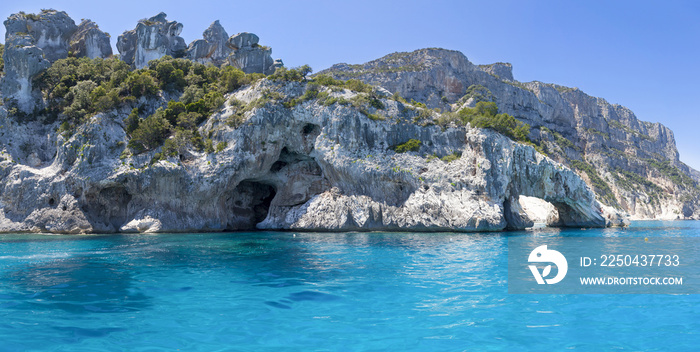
[{"x": 290, "y": 152}]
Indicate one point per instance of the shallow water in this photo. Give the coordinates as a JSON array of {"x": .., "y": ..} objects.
[{"x": 315, "y": 291}]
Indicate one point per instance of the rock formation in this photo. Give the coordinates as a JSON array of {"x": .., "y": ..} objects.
[
  {"x": 502, "y": 70},
  {"x": 90, "y": 41},
  {"x": 632, "y": 165},
  {"x": 213, "y": 48},
  {"x": 156, "y": 37},
  {"x": 23, "y": 62},
  {"x": 151, "y": 39},
  {"x": 311, "y": 167},
  {"x": 249, "y": 56},
  {"x": 33, "y": 42},
  {"x": 50, "y": 30}
]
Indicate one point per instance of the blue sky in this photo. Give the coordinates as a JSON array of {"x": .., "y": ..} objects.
[{"x": 639, "y": 54}]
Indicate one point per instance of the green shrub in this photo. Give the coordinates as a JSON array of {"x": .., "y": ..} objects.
[
  {"x": 139, "y": 84},
  {"x": 485, "y": 115},
  {"x": 174, "y": 109},
  {"x": 295, "y": 74},
  {"x": 478, "y": 92},
  {"x": 564, "y": 143},
  {"x": 221, "y": 146},
  {"x": 412, "y": 145},
  {"x": 451, "y": 157},
  {"x": 169, "y": 77},
  {"x": 189, "y": 120},
  {"x": 418, "y": 104},
  {"x": 150, "y": 133},
  {"x": 352, "y": 84},
  {"x": 132, "y": 121},
  {"x": 358, "y": 86},
  {"x": 673, "y": 173},
  {"x": 208, "y": 146}
]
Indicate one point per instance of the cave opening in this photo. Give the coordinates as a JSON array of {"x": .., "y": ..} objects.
[
  {"x": 541, "y": 212},
  {"x": 251, "y": 203},
  {"x": 262, "y": 205}
]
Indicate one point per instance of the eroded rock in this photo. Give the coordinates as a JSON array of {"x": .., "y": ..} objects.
[
  {"x": 612, "y": 149},
  {"x": 152, "y": 39},
  {"x": 249, "y": 56},
  {"x": 310, "y": 167},
  {"x": 32, "y": 43},
  {"x": 213, "y": 48},
  {"x": 90, "y": 41}
]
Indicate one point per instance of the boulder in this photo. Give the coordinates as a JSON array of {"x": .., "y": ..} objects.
[{"x": 243, "y": 40}]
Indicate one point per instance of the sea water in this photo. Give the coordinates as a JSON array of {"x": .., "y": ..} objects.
[{"x": 267, "y": 291}]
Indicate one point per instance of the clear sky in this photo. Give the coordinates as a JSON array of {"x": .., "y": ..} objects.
[{"x": 640, "y": 54}]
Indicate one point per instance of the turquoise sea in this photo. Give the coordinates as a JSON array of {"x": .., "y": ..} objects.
[{"x": 268, "y": 291}]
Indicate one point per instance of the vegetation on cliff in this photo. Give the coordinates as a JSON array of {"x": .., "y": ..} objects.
[{"x": 77, "y": 88}]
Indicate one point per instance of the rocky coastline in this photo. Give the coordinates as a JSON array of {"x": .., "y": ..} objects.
[{"x": 373, "y": 147}]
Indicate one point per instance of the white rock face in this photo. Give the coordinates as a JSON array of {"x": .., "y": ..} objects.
[
  {"x": 152, "y": 39},
  {"x": 311, "y": 167},
  {"x": 538, "y": 210},
  {"x": 90, "y": 41},
  {"x": 33, "y": 42},
  {"x": 635, "y": 164}
]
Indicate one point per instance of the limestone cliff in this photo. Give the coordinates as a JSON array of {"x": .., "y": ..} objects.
[
  {"x": 102, "y": 146},
  {"x": 318, "y": 165},
  {"x": 631, "y": 164},
  {"x": 34, "y": 41}
]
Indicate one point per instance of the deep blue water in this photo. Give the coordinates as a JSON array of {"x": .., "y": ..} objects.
[{"x": 315, "y": 291}]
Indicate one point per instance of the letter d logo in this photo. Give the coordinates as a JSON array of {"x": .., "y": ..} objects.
[{"x": 543, "y": 255}]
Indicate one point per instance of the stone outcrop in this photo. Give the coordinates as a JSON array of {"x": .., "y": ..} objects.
[
  {"x": 50, "y": 30},
  {"x": 34, "y": 41},
  {"x": 152, "y": 39},
  {"x": 249, "y": 56},
  {"x": 213, "y": 48},
  {"x": 23, "y": 62},
  {"x": 310, "y": 167},
  {"x": 90, "y": 41},
  {"x": 632, "y": 165},
  {"x": 156, "y": 37},
  {"x": 502, "y": 70}
]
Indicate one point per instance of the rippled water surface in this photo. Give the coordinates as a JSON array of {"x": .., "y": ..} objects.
[{"x": 315, "y": 291}]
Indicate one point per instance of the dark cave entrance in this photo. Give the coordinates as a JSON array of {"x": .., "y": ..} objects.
[
  {"x": 261, "y": 205},
  {"x": 251, "y": 203}
]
